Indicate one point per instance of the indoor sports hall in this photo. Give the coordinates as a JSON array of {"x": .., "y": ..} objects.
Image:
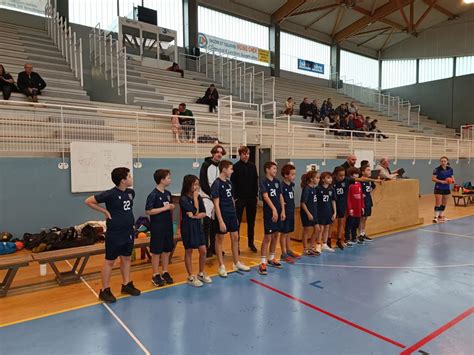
[{"x": 236, "y": 177}]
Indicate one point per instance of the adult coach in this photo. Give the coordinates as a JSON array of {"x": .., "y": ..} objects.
[
  {"x": 245, "y": 186},
  {"x": 384, "y": 167},
  {"x": 208, "y": 174},
  {"x": 350, "y": 162},
  {"x": 443, "y": 176}
]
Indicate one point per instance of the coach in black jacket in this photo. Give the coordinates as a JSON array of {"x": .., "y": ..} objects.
[
  {"x": 245, "y": 186},
  {"x": 30, "y": 83}
]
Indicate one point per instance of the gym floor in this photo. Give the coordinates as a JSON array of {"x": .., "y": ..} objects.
[{"x": 406, "y": 292}]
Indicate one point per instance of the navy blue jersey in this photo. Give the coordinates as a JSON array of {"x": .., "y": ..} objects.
[
  {"x": 443, "y": 174},
  {"x": 309, "y": 198},
  {"x": 367, "y": 188},
  {"x": 190, "y": 225},
  {"x": 325, "y": 196},
  {"x": 289, "y": 197},
  {"x": 158, "y": 199},
  {"x": 223, "y": 191},
  {"x": 341, "y": 188},
  {"x": 120, "y": 206},
  {"x": 273, "y": 189}
]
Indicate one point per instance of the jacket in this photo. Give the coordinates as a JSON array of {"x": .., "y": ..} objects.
[
  {"x": 208, "y": 174},
  {"x": 33, "y": 80},
  {"x": 245, "y": 180}
]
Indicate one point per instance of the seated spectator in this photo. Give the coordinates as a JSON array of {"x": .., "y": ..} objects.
[
  {"x": 324, "y": 110},
  {"x": 329, "y": 104},
  {"x": 7, "y": 84},
  {"x": 330, "y": 121},
  {"x": 373, "y": 128},
  {"x": 315, "y": 112},
  {"x": 305, "y": 108},
  {"x": 384, "y": 167},
  {"x": 289, "y": 107},
  {"x": 358, "y": 123},
  {"x": 211, "y": 98},
  {"x": 353, "y": 108},
  {"x": 367, "y": 125},
  {"x": 30, "y": 83},
  {"x": 175, "y": 67},
  {"x": 187, "y": 122},
  {"x": 175, "y": 125},
  {"x": 341, "y": 110},
  {"x": 344, "y": 125}
]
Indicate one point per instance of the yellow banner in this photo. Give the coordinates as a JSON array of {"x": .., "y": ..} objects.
[{"x": 263, "y": 55}]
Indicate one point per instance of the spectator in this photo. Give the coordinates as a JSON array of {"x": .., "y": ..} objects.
[
  {"x": 187, "y": 122},
  {"x": 289, "y": 107},
  {"x": 329, "y": 103},
  {"x": 175, "y": 67},
  {"x": 324, "y": 110},
  {"x": 175, "y": 125},
  {"x": 367, "y": 125},
  {"x": 373, "y": 128},
  {"x": 353, "y": 108},
  {"x": 30, "y": 83},
  {"x": 211, "y": 98},
  {"x": 305, "y": 108},
  {"x": 7, "y": 84},
  {"x": 384, "y": 167},
  {"x": 350, "y": 162},
  {"x": 358, "y": 123},
  {"x": 341, "y": 110},
  {"x": 315, "y": 112},
  {"x": 330, "y": 121}
]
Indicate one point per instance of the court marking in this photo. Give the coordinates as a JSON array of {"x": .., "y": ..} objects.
[
  {"x": 327, "y": 313},
  {"x": 447, "y": 233},
  {"x": 438, "y": 332},
  {"x": 385, "y": 267}
]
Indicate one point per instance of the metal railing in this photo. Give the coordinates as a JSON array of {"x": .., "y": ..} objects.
[
  {"x": 65, "y": 40},
  {"x": 466, "y": 132}
]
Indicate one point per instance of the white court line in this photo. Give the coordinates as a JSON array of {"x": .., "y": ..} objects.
[
  {"x": 385, "y": 267},
  {"x": 135, "y": 339},
  {"x": 447, "y": 233}
]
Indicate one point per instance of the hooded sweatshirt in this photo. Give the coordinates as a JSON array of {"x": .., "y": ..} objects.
[{"x": 208, "y": 174}]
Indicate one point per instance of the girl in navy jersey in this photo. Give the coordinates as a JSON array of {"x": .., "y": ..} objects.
[
  {"x": 308, "y": 209},
  {"x": 367, "y": 188},
  {"x": 326, "y": 202},
  {"x": 288, "y": 172},
  {"x": 443, "y": 176},
  {"x": 341, "y": 186}
]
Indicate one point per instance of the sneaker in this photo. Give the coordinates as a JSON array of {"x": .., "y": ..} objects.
[
  {"x": 340, "y": 244},
  {"x": 360, "y": 240},
  {"x": 275, "y": 263},
  {"x": 315, "y": 251},
  {"x": 131, "y": 290},
  {"x": 240, "y": 266},
  {"x": 329, "y": 243},
  {"x": 368, "y": 239},
  {"x": 435, "y": 219},
  {"x": 107, "y": 296},
  {"x": 442, "y": 219},
  {"x": 157, "y": 281},
  {"x": 309, "y": 252},
  {"x": 204, "y": 278},
  {"x": 262, "y": 269},
  {"x": 167, "y": 278},
  {"x": 222, "y": 272},
  {"x": 294, "y": 254},
  {"x": 193, "y": 281},
  {"x": 318, "y": 248},
  {"x": 287, "y": 259},
  {"x": 325, "y": 247},
  {"x": 253, "y": 248},
  {"x": 349, "y": 244}
]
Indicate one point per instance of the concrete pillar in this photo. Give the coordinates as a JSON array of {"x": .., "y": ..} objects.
[
  {"x": 190, "y": 26},
  {"x": 275, "y": 49}
]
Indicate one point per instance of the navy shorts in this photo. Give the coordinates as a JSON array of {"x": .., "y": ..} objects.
[
  {"x": 231, "y": 223},
  {"x": 305, "y": 221},
  {"x": 367, "y": 211},
  {"x": 442, "y": 192},
  {"x": 340, "y": 211},
  {"x": 161, "y": 240},
  {"x": 288, "y": 225},
  {"x": 324, "y": 220},
  {"x": 118, "y": 244}
]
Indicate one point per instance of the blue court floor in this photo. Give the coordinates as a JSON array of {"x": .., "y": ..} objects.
[{"x": 409, "y": 292}]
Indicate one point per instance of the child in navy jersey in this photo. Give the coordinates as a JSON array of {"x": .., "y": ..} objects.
[
  {"x": 326, "y": 207},
  {"x": 443, "y": 177},
  {"x": 120, "y": 229},
  {"x": 288, "y": 172},
  {"x": 160, "y": 209},
  {"x": 273, "y": 215},
  {"x": 221, "y": 193},
  {"x": 341, "y": 184},
  {"x": 367, "y": 187},
  {"x": 308, "y": 212}
]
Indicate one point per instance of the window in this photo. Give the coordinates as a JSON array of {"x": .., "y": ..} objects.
[
  {"x": 170, "y": 15},
  {"x": 295, "y": 48},
  {"x": 464, "y": 65},
  {"x": 35, "y": 7},
  {"x": 435, "y": 69},
  {"x": 361, "y": 69},
  {"x": 92, "y": 12},
  {"x": 397, "y": 73}
]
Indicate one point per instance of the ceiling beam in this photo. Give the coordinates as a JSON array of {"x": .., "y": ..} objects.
[
  {"x": 286, "y": 10},
  {"x": 374, "y": 4},
  {"x": 441, "y": 9},
  {"x": 319, "y": 18},
  {"x": 422, "y": 17},
  {"x": 405, "y": 18},
  {"x": 385, "y": 21},
  {"x": 340, "y": 13},
  {"x": 371, "y": 31},
  {"x": 386, "y": 41},
  {"x": 316, "y": 9},
  {"x": 371, "y": 38},
  {"x": 412, "y": 15}
]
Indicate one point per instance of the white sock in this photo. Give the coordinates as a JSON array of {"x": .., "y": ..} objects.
[
  {"x": 264, "y": 259},
  {"x": 437, "y": 213},
  {"x": 362, "y": 232},
  {"x": 272, "y": 256}
]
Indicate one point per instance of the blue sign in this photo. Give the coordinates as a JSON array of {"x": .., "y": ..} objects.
[{"x": 308, "y": 65}]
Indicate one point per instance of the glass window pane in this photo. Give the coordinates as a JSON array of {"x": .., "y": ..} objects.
[
  {"x": 34, "y": 7},
  {"x": 435, "y": 69},
  {"x": 361, "y": 69},
  {"x": 464, "y": 65},
  {"x": 397, "y": 73},
  {"x": 92, "y": 12},
  {"x": 170, "y": 15}
]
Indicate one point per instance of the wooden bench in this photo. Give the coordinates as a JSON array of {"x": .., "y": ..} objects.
[{"x": 11, "y": 263}]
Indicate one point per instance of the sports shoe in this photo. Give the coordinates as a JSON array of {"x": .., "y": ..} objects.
[
  {"x": 240, "y": 266},
  {"x": 367, "y": 239},
  {"x": 435, "y": 219},
  {"x": 157, "y": 281},
  {"x": 204, "y": 278},
  {"x": 442, "y": 219},
  {"x": 193, "y": 281},
  {"x": 315, "y": 251},
  {"x": 287, "y": 259},
  {"x": 253, "y": 248},
  {"x": 349, "y": 244},
  {"x": 262, "y": 269},
  {"x": 222, "y": 272},
  {"x": 318, "y": 248},
  {"x": 360, "y": 240},
  {"x": 274, "y": 263},
  {"x": 131, "y": 290},
  {"x": 107, "y": 296},
  {"x": 325, "y": 247},
  {"x": 169, "y": 280},
  {"x": 340, "y": 244},
  {"x": 294, "y": 254},
  {"x": 309, "y": 252}
]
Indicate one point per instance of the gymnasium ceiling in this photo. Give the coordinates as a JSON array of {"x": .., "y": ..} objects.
[{"x": 376, "y": 24}]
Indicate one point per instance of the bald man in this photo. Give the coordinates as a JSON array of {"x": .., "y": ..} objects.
[
  {"x": 384, "y": 167},
  {"x": 350, "y": 162}
]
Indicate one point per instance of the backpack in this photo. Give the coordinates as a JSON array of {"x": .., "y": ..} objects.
[
  {"x": 7, "y": 248},
  {"x": 142, "y": 224}
]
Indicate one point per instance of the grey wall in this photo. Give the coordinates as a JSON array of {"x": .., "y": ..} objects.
[{"x": 448, "y": 101}]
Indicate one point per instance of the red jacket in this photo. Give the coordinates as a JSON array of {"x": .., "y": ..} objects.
[{"x": 355, "y": 199}]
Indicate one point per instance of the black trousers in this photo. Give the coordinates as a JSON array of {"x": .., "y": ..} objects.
[
  {"x": 250, "y": 206},
  {"x": 210, "y": 227},
  {"x": 352, "y": 223},
  {"x": 7, "y": 90},
  {"x": 32, "y": 93}
]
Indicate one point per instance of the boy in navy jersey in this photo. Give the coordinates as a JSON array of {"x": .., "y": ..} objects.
[
  {"x": 273, "y": 215},
  {"x": 288, "y": 172},
  {"x": 367, "y": 188},
  {"x": 308, "y": 212},
  {"x": 341, "y": 186},
  {"x": 221, "y": 193},
  {"x": 119, "y": 236},
  {"x": 326, "y": 207},
  {"x": 160, "y": 209}
]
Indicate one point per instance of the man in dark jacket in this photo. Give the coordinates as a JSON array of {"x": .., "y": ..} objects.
[
  {"x": 245, "y": 186},
  {"x": 208, "y": 174},
  {"x": 211, "y": 98},
  {"x": 306, "y": 108},
  {"x": 30, "y": 83}
]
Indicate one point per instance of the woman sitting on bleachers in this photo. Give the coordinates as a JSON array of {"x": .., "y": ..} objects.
[
  {"x": 175, "y": 125},
  {"x": 7, "y": 84}
]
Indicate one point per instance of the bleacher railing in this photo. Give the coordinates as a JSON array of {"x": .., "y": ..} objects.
[
  {"x": 65, "y": 40},
  {"x": 466, "y": 132},
  {"x": 47, "y": 129}
]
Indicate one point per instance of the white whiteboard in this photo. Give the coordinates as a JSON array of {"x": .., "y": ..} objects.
[
  {"x": 364, "y": 155},
  {"x": 92, "y": 163}
]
